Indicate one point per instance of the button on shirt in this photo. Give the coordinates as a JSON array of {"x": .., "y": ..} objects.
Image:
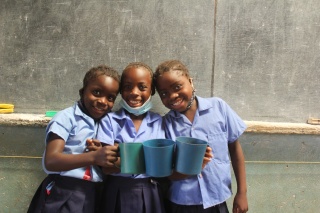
[
  {"x": 74, "y": 127},
  {"x": 218, "y": 124},
  {"x": 118, "y": 126}
]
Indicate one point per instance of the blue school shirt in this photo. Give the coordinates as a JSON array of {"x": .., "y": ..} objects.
[
  {"x": 74, "y": 127},
  {"x": 218, "y": 124},
  {"x": 123, "y": 130}
]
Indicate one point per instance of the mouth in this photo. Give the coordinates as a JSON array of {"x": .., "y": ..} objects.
[
  {"x": 176, "y": 103},
  {"x": 100, "y": 110},
  {"x": 134, "y": 103}
]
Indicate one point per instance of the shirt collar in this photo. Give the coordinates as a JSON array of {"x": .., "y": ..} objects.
[{"x": 79, "y": 112}]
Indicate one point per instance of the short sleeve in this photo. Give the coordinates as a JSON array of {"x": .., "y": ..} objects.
[{"x": 60, "y": 125}]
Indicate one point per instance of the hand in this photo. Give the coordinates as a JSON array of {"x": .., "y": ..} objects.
[
  {"x": 240, "y": 203},
  {"x": 106, "y": 156},
  {"x": 207, "y": 156},
  {"x": 93, "y": 145}
]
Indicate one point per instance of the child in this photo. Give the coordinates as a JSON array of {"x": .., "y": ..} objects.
[
  {"x": 72, "y": 179},
  {"x": 209, "y": 119},
  {"x": 134, "y": 122}
]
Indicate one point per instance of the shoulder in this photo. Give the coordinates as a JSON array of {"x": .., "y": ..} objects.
[
  {"x": 153, "y": 118},
  {"x": 210, "y": 100},
  {"x": 64, "y": 115},
  {"x": 119, "y": 114},
  {"x": 154, "y": 115},
  {"x": 70, "y": 117},
  {"x": 215, "y": 103}
]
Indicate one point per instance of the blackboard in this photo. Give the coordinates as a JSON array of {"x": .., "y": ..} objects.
[
  {"x": 47, "y": 46},
  {"x": 262, "y": 57},
  {"x": 268, "y": 59}
]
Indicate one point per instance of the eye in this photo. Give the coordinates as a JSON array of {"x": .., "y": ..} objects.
[
  {"x": 126, "y": 87},
  {"x": 143, "y": 87},
  {"x": 111, "y": 98},
  {"x": 96, "y": 92},
  {"x": 178, "y": 87},
  {"x": 163, "y": 94}
]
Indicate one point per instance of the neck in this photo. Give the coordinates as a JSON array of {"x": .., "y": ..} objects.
[
  {"x": 137, "y": 120},
  {"x": 137, "y": 117},
  {"x": 191, "y": 112}
]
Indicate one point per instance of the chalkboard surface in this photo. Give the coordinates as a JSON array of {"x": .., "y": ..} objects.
[
  {"x": 47, "y": 46},
  {"x": 268, "y": 59},
  {"x": 262, "y": 57}
]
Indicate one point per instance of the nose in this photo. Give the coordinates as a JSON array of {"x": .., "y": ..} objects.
[
  {"x": 103, "y": 100},
  {"x": 135, "y": 91},
  {"x": 173, "y": 95}
]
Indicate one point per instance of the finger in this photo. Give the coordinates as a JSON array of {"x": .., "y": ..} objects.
[
  {"x": 113, "y": 148},
  {"x": 205, "y": 159},
  {"x": 97, "y": 143},
  {"x": 236, "y": 210},
  {"x": 90, "y": 148}
]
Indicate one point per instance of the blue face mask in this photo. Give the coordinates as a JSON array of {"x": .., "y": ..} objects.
[{"x": 137, "y": 110}]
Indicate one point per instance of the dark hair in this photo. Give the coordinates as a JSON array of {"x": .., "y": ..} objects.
[
  {"x": 95, "y": 72},
  {"x": 170, "y": 65},
  {"x": 138, "y": 65}
]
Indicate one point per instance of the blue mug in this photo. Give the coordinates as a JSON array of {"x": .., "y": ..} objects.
[
  {"x": 189, "y": 155},
  {"x": 158, "y": 155}
]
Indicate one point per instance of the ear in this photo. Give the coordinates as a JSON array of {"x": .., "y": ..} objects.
[
  {"x": 153, "y": 89},
  {"x": 191, "y": 82},
  {"x": 81, "y": 92}
]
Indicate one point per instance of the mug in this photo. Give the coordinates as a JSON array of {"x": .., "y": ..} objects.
[
  {"x": 132, "y": 158},
  {"x": 189, "y": 155},
  {"x": 158, "y": 155}
]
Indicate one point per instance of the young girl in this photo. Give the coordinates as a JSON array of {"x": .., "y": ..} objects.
[
  {"x": 72, "y": 177},
  {"x": 134, "y": 122},
  {"x": 210, "y": 119}
]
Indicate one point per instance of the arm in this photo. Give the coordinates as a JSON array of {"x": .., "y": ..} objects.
[
  {"x": 240, "y": 203},
  {"x": 56, "y": 160}
]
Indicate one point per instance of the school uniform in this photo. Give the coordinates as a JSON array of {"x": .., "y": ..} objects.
[
  {"x": 74, "y": 190},
  {"x": 128, "y": 193},
  {"x": 218, "y": 124}
]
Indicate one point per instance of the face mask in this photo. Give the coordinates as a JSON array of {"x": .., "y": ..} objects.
[{"x": 137, "y": 110}]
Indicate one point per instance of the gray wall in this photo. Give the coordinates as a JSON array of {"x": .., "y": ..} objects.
[
  {"x": 262, "y": 57},
  {"x": 283, "y": 171}
]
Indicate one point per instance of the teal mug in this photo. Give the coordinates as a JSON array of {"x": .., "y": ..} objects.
[{"x": 132, "y": 158}]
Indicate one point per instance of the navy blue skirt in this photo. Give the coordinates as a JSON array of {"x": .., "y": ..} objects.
[
  {"x": 65, "y": 194},
  {"x": 127, "y": 195}
]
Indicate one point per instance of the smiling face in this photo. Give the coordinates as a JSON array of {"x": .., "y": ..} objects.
[
  {"x": 136, "y": 86},
  {"x": 175, "y": 90},
  {"x": 99, "y": 95}
]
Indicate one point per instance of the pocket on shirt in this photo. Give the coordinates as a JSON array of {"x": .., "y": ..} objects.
[{"x": 219, "y": 146}]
